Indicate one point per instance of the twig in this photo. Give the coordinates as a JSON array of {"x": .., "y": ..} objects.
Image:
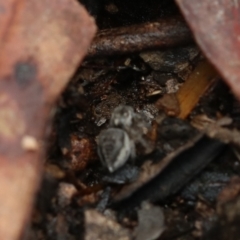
[{"x": 135, "y": 38}]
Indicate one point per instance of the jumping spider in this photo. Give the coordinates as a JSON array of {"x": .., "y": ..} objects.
[
  {"x": 135, "y": 124},
  {"x": 117, "y": 144},
  {"x": 115, "y": 148}
]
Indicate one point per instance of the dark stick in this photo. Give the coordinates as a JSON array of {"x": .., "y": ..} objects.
[
  {"x": 180, "y": 171},
  {"x": 164, "y": 33}
]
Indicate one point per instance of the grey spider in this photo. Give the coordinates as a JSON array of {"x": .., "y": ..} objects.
[
  {"x": 115, "y": 148},
  {"x": 122, "y": 116},
  {"x": 135, "y": 124}
]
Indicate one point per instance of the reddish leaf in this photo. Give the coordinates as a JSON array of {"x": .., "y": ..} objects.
[
  {"x": 216, "y": 26},
  {"x": 41, "y": 43}
]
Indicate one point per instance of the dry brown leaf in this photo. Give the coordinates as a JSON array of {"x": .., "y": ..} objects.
[
  {"x": 41, "y": 44},
  {"x": 216, "y": 26}
]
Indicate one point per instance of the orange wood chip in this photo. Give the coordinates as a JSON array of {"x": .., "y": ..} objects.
[{"x": 194, "y": 87}]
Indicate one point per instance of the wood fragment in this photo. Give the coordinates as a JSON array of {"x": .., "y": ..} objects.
[
  {"x": 157, "y": 183},
  {"x": 98, "y": 226},
  {"x": 216, "y": 130},
  {"x": 194, "y": 87},
  {"x": 169, "y": 104},
  {"x": 150, "y": 171}
]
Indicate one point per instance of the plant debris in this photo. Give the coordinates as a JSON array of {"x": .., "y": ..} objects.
[
  {"x": 101, "y": 227},
  {"x": 217, "y": 20},
  {"x": 36, "y": 43},
  {"x": 151, "y": 222}
]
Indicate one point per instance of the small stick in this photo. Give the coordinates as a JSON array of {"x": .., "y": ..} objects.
[
  {"x": 195, "y": 86},
  {"x": 164, "y": 33}
]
